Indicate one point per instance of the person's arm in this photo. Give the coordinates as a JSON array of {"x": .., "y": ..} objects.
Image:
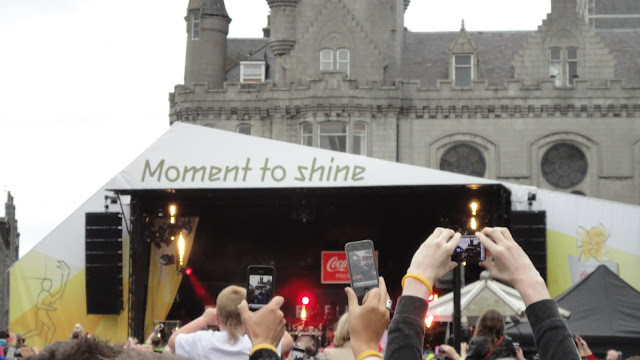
[
  {"x": 155, "y": 332},
  {"x": 511, "y": 265},
  {"x": 367, "y": 322},
  {"x": 430, "y": 262},
  {"x": 208, "y": 318}
]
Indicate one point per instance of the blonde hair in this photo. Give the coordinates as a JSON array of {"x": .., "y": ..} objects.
[
  {"x": 342, "y": 331},
  {"x": 227, "y": 308}
]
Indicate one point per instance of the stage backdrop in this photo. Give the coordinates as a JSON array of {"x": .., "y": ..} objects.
[
  {"x": 47, "y": 285},
  {"x": 584, "y": 233}
]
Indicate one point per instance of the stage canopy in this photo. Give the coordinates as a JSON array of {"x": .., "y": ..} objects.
[{"x": 582, "y": 232}]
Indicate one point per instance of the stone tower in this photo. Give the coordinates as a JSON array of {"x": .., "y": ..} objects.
[
  {"x": 9, "y": 245},
  {"x": 207, "y": 29}
]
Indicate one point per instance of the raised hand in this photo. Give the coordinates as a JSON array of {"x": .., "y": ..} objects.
[
  {"x": 367, "y": 322},
  {"x": 511, "y": 264},
  {"x": 265, "y": 326}
]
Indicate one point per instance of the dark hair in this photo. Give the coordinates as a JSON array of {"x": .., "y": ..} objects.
[
  {"x": 490, "y": 325},
  {"x": 3, "y": 334},
  {"x": 91, "y": 349}
]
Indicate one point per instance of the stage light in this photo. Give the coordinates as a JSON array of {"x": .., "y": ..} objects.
[
  {"x": 305, "y": 300},
  {"x": 303, "y": 313},
  {"x": 473, "y": 224},
  {"x": 428, "y": 321},
  {"x": 173, "y": 210},
  {"x": 474, "y": 207},
  {"x": 181, "y": 249},
  {"x": 167, "y": 259},
  {"x": 188, "y": 271}
]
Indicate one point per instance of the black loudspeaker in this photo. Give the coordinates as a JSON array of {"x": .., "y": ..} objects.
[
  {"x": 103, "y": 263},
  {"x": 529, "y": 229}
]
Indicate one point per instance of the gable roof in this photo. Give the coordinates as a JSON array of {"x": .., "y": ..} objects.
[{"x": 603, "y": 303}]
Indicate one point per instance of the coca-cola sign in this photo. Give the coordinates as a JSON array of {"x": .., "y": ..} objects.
[{"x": 334, "y": 267}]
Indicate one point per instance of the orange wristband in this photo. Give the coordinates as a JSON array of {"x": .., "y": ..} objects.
[
  {"x": 420, "y": 278},
  {"x": 369, "y": 353}
]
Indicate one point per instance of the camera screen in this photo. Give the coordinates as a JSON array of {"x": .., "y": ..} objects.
[
  {"x": 297, "y": 354},
  {"x": 362, "y": 265},
  {"x": 260, "y": 290},
  {"x": 470, "y": 250}
]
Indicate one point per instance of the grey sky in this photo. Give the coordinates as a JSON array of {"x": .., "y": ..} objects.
[{"x": 85, "y": 83}]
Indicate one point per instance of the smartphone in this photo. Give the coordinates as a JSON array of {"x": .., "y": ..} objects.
[
  {"x": 516, "y": 346},
  {"x": 297, "y": 354},
  {"x": 261, "y": 281},
  {"x": 363, "y": 269},
  {"x": 470, "y": 249},
  {"x": 439, "y": 350}
]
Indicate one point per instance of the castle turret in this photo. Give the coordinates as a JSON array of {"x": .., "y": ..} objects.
[
  {"x": 283, "y": 25},
  {"x": 207, "y": 29}
]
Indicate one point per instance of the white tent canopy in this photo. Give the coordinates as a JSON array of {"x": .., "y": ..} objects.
[{"x": 480, "y": 296}]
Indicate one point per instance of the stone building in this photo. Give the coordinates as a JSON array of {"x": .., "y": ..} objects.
[
  {"x": 558, "y": 107},
  {"x": 9, "y": 243}
]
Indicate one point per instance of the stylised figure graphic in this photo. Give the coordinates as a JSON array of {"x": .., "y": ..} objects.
[{"x": 45, "y": 304}]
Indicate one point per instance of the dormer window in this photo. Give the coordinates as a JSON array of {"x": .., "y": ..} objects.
[
  {"x": 326, "y": 60},
  {"x": 342, "y": 60},
  {"x": 342, "y": 57},
  {"x": 195, "y": 25},
  {"x": 252, "y": 71},
  {"x": 563, "y": 65},
  {"x": 463, "y": 70}
]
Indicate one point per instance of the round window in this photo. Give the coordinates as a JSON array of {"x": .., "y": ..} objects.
[
  {"x": 564, "y": 166},
  {"x": 464, "y": 159}
]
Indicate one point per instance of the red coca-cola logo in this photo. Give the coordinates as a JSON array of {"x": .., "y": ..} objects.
[{"x": 335, "y": 264}]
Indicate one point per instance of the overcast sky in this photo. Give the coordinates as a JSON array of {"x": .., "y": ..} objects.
[{"x": 84, "y": 86}]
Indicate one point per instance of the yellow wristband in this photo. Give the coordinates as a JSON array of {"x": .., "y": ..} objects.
[
  {"x": 418, "y": 277},
  {"x": 263, "y": 346},
  {"x": 369, "y": 353}
]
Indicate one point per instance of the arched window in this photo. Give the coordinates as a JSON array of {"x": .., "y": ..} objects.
[
  {"x": 360, "y": 139},
  {"x": 464, "y": 159},
  {"x": 564, "y": 165},
  {"x": 333, "y": 136},
  {"x": 307, "y": 134},
  {"x": 244, "y": 129},
  {"x": 343, "y": 57},
  {"x": 326, "y": 60}
]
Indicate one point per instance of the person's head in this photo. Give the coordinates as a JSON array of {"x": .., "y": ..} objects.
[
  {"x": 490, "y": 325},
  {"x": 227, "y": 308},
  {"x": 342, "y": 331},
  {"x": 47, "y": 284},
  {"x": 4, "y": 334},
  {"x": 156, "y": 341}
]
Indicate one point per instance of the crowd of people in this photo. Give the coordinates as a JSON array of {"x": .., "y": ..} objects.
[{"x": 366, "y": 332}]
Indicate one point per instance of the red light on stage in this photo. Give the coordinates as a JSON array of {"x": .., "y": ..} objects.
[
  {"x": 305, "y": 300},
  {"x": 188, "y": 271}
]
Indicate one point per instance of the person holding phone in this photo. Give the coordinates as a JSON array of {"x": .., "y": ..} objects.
[
  {"x": 231, "y": 342},
  {"x": 367, "y": 322}
]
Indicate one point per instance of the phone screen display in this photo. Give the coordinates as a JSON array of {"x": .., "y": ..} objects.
[
  {"x": 297, "y": 354},
  {"x": 260, "y": 287},
  {"x": 470, "y": 250}
]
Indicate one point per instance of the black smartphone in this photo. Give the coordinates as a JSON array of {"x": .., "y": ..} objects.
[
  {"x": 297, "y": 354},
  {"x": 363, "y": 268},
  {"x": 470, "y": 249},
  {"x": 261, "y": 281}
]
